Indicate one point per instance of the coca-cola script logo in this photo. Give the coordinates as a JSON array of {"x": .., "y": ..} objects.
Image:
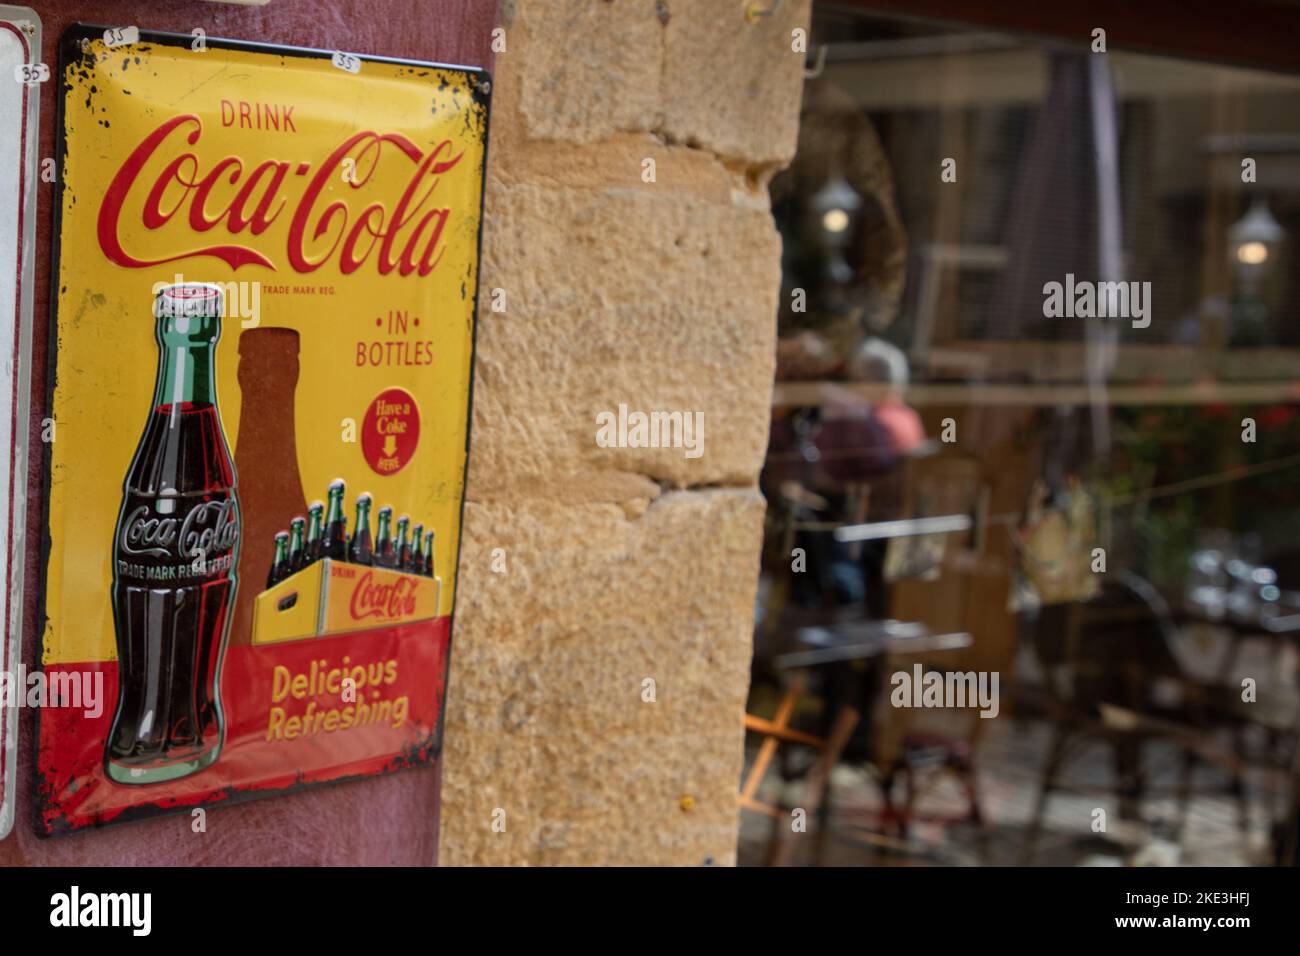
[
  {"x": 208, "y": 529},
  {"x": 407, "y": 238},
  {"x": 395, "y": 600}
]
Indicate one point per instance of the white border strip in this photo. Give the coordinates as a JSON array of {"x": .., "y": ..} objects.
[{"x": 15, "y": 379}]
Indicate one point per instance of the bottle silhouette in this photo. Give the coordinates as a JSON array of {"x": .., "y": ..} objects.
[
  {"x": 280, "y": 564},
  {"x": 315, "y": 533},
  {"x": 296, "y": 555},
  {"x": 384, "y": 554},
  {"x": 427, "y": 567},
  {"x": 362, "y": 547},
  {"x": 336, "y": 523},
  {"x": 266, "y": 457}
]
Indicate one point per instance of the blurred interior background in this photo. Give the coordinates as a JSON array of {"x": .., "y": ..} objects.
[{"x": 1104, "y": 514}]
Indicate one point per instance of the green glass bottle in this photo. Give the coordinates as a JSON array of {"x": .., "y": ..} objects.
[
  {"x": 426, "y": 567},
  {"x": 315, "y": 531},
  {"x": 401, "y": 554},
  {"x": 175, "y": 550},
  {"x": 296, "y": 554},
  {"x": 336, "y": 524},
  {"x": 414, "y": 557},
  {"x": 383, "y": 556},
  {"x": 280, "y": 564},
  {"x": 361, "y": 548}
]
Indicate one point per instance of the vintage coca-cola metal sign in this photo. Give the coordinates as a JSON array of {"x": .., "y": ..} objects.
[{"x": 267, "y": 271}]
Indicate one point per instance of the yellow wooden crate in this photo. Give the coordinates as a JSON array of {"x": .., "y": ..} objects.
[{"x": 333, "y": 597}]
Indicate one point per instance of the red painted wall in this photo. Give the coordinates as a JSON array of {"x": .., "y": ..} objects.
[{"x": 387, "y": 820}]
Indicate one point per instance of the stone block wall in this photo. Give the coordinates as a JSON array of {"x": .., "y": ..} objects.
[{"x": 587, "y": 571}]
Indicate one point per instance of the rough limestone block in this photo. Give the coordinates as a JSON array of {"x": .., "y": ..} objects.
[
  {"x": 653, "y": 299},
  {"x": 592, "y": 68},
  {"x": 661, "y": 296},
  {"x": 546, "y": 719},
  {"x": 696, "y": 72},
  {"x": 733, "y": 86}
]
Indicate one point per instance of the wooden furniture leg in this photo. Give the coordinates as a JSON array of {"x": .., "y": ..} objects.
[{"x": 820, "y": 777}]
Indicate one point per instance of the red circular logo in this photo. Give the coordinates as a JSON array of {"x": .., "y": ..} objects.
[{"x": 390, "y": 431}]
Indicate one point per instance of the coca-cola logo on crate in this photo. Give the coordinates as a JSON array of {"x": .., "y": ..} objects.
[{"x": 371, "y": 599}]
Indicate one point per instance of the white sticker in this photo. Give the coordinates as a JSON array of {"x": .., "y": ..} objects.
[
  {"x": 29, "y": 74},
  {"x": 121, "y": 36},
  {"x": 348, "y": 62}
]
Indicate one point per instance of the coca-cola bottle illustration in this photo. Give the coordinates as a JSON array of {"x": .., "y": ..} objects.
[{"x": 175, "y": 552}]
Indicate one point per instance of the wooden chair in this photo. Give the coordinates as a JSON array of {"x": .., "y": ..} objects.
[
  {"x": 775, "y": 732},
  {"x": 1100, "y": 660}
]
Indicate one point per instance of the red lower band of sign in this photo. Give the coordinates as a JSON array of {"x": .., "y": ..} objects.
[{"x": 292, "y": 719}]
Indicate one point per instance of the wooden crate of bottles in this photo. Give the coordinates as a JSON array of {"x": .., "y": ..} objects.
[
  {"x": 324, "y": 582},
  {"x": 333, "y": 597}
]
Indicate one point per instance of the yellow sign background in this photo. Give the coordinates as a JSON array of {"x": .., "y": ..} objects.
[{"x": 107, "y": 356}]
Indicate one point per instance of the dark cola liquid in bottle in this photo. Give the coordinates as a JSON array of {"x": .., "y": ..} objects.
[
  {"x": 401, "y": 550},
  {"x": 383, "y": 556},
  {"x": 415, "y": 556},
  {"x": 315, "y": 533},
  {"x": 361, "y": 547},
  {"x": 175, "y": 554},
  {"x": 335, "y": 545}
]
